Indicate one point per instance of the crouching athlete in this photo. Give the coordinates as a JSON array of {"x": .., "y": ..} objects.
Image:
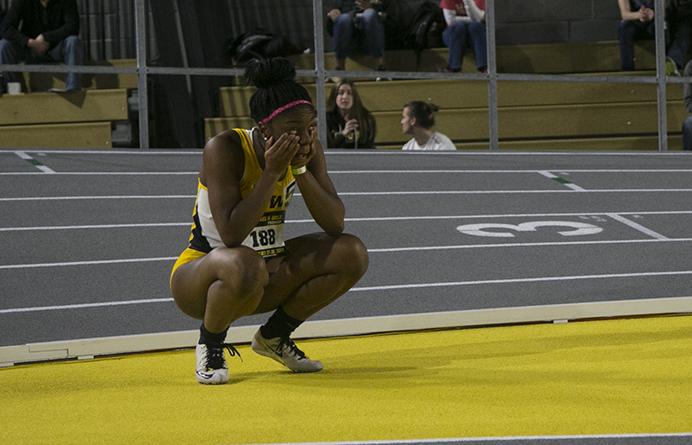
[{"x": 237, "y": 262}]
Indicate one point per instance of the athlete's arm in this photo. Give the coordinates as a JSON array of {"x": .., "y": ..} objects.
[
  {"x": 222, "y": 170},
  {"x": 320, "y": 195}
]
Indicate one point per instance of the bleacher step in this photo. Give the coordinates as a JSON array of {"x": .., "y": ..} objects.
[
  {"x": 388, "y": 96},
  {"x": 45, "y": 108},
  {"x": 82, "y": 135}
]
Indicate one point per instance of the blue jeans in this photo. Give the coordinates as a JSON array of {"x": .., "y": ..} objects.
[
  {"x": 70, "y": 51},
  {"x": 366, "y": 27},
  {"x": 628, "y": 32},
  {"x": 680, "y": 45},
  {"x": 687, "y": 134},
  {"x": 455, "y": 38}
]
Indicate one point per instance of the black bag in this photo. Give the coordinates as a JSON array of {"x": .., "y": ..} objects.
[
  {"x": 259, "y": 44},
  {"x": 425, "y": 29}
]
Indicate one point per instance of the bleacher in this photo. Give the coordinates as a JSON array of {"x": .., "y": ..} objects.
[
  {"x": 80, "y": 120},
  {"x": 534, "y": 116}
]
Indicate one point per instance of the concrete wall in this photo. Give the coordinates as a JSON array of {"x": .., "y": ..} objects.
[{"x": 545, "y": 21}]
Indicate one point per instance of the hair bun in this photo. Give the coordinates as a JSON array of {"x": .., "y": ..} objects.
[{"x": 264, "y": 73}]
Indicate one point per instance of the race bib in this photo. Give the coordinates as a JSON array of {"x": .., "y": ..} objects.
[{"x": 267, "y": 238}]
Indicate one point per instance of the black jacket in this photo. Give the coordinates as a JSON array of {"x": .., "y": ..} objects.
[
  {"x": 335, "y": 123},
  {"x": 56, "y": 22},
  {"x": 678, "y": 9}
]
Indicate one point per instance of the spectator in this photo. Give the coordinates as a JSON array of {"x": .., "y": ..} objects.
[
  {"x": 357, "y": 23},
  {"x": 679, "y": 24},
  {"x": 349, "y": 123},
  {"x": 465, "y": 21},
  {"x": 638, "y": 23},
  {"x": 40, "y": 31},
  {"x": 687, "y": 125},
  {"x": 418, "y": 120}
]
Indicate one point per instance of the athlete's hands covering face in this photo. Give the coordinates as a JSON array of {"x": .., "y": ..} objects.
[
  {"x": 280, "y": 153},
  {"x": 308, "y": 146}
]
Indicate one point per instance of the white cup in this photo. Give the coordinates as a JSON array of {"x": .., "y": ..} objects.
[{"x": 14, "y": 88}]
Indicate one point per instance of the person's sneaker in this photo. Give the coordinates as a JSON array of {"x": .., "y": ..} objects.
[
  {"x": 64, "y": 90},
  {"x": 211, "y": 363},
  {"x": 284, "y": 351},
  {"x": 672, "y": 68},
  {"x": 382, "y": 77}
]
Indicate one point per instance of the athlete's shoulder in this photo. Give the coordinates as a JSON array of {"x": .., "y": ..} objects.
[
  {"x": 224, "y": 141},
  {"x": 224, "y": 151}
]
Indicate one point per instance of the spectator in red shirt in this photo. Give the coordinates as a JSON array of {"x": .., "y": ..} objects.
[{"x": 465, "y": 23}]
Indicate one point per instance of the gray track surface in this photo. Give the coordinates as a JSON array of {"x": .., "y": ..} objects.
[{"x": 418, "y": 211}]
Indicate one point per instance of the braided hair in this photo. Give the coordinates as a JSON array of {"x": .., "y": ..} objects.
[
  {"x": 276, "y": 86},
  {"x": 423, "y": 112}
]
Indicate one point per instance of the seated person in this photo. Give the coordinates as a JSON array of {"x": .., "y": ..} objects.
[
  {"x": 687, "y": 125},
  {"x": 418, "y": 120},
  {"x": 637, "y": 23},
  {"x": 349, "y": 123},
  {"x": 356, "y": 23},
  {"x": 465, "y": 21},
  {"x": 41, "y": 31},
  {"x": 679, "y": 24}
]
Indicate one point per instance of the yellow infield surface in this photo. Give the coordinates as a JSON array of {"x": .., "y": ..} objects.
[{"x": 596, "y": 377}]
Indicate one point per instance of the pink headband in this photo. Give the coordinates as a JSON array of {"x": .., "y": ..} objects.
[{"x": 283, "y": 108}]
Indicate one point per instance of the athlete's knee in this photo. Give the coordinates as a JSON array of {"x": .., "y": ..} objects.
[
  {"x": 354, "y": 254},
  {"x": 241, "y": 269}
]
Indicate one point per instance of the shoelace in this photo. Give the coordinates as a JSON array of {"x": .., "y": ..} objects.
[
  {"x": 290, "y": 345},
  {"x": 215, "y": 355}
]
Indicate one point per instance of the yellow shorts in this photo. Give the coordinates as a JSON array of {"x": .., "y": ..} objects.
[{"x": 185, "y": 257}]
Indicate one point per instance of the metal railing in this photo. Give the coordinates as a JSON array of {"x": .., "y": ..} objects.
[{"x": 320, "y": 73}]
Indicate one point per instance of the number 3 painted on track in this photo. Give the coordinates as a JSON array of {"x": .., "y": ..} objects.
[{"x": 580, "y": 228}]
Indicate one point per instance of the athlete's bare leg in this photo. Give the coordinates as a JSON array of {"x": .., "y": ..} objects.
[
  {"x": 221, "y": 286},
  {"x": 229, "y": 283},
  {"x": 317, "y": 270}
]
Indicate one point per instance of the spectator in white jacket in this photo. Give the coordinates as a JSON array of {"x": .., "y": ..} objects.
[{"x": 418, "y": 120}]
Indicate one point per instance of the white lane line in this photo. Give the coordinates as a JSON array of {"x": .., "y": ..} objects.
[
  {"x": 78, "y": 198},
  {"x": 84, "y": 305},
  {"x": 23, "y": 155},
  {"x": 636, "y": 226},
  {"x": 509, "y": 215},
  {"x": 34, "y": 162},
  {"x": 414, "y": 192},
  {"x": 86, "y": 263},
  {"x": 537, "y": 244},
  {"x": 374, "y": 288},
  {"x": 356, "y": 172},
  {"x": 179, "y": 173},
  {"x": 520, "y": 439},
  {"x": 117, "y": 152},
  {"x": 561, "y": 180},
  {"x": 649, "y": 170},
  {"x": 95, "y": 226},
  {"x": 522, "y": 280},
  {"x": 576, "y": 154},
  {"x": 365, "y": 219},
  {"x": 511, "y": 192},
  {"x": 373, "y": 250}
]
